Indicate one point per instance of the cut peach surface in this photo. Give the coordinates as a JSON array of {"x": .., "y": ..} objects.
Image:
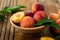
[
  {"x": 16, "y": 18},
  {"x": 46, "y": 38}
]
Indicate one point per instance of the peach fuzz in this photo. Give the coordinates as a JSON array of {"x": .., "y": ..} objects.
[
  {"x": 53, "y": 16},
  {"x": 37, "y": 7},
  {"x": 39, "y": 15},
  {"x": 27, "y": 22},
  {"x": 58, "y": 12},
  {"x": 58, "y": 21}
]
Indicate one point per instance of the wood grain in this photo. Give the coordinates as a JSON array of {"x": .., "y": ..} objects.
[
  {"x": 12, "y": 31},
  {"x": 5, "y": 32},
  {"x": 2, "y": 27},
  {"x": 1, "y": 21}
]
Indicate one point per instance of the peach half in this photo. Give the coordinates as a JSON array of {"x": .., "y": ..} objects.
[{"x": 17, "y": 17}]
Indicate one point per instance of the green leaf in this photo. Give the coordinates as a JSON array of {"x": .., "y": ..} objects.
[
  {"x": 43, "y": 21},
  {"x": 6, "y": 7},
  {"x": 57, "y": 38},
  {"x": 11, "y": 9},
  {"x": 2, "y": 18},
  {"x": 53, "y": 24},
  {"x": 16, "y": 11},
  {"x": 5, "y": 11},
  {"x": 47, "y": 22},
  {"x": 15, "y": 7}
]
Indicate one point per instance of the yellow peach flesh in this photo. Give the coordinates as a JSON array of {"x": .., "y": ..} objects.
[{"x": 17, "y": 17}]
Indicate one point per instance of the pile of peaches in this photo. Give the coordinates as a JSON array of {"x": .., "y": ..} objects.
[{"x": 27, "y": 19}]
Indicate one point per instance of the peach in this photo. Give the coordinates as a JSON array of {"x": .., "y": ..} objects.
[
  {"x": 37, "y": 7},
  {"x": 53, "y": 16},
  {"x": 57, "y": 30},
  {"x": 58, "y": 21},
  {"x": 39, "y": 15},
  {"x": 28, "y": 13},
  {"x": 27, "y": 22},
  {"x": 16, "y": 18},
  {"x": 59, "y": 12}
]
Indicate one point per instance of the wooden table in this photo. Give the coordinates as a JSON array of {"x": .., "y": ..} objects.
[{"x": 7, "y": 32}]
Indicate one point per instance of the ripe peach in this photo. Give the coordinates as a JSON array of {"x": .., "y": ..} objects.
[
  {"x": 59, "y": 12},
  {"x": 28, "y": 13},
  {"x": 39, "y": 15},
  {"x": 53, "y": 16},
  {"x": 27, "y": 22},
  {"x": 58, "y": 21},
  {"x": 37, "y": 7},
  {"x": 16, "y": 18},
  {"x": 57, "y": 30}
]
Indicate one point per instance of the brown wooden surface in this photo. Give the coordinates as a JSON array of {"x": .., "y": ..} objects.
[{"x": 7, "y": 32}]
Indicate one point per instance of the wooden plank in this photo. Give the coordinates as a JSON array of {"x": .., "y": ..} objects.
[
  {"x": 1, "y": 26},
  {"x": 59, "y": 2},
  {"x": 12, "y": 31},
  {"x": 7, "y": 29},
  {"x": 1, "y": 5},
  {"x": 3, "y": 37},
  {"x": 0, "y": 2},
  {"x": 8, "y": 23},
  {"x": 1, "y": 23},
  {"x": 3, "y": 30},
  {"x": 11, "y": 37}
]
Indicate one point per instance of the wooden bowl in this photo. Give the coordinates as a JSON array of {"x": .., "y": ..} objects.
[
  {"x": 27, "y": 30},
  {"x": 30, "y": 32}
]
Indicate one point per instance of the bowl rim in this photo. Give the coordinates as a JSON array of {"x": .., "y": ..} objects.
[{"x": 40, "y": 27}]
